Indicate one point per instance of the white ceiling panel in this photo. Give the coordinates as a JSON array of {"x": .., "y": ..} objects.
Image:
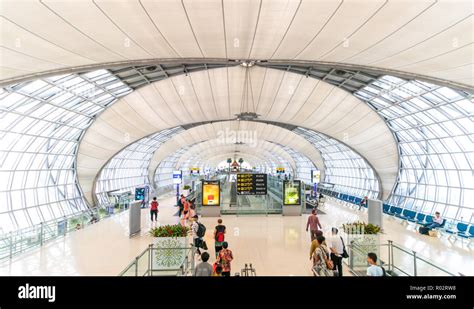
[
  {"x": 419, "y": 37},
  {"x": 321, "y": 107}
]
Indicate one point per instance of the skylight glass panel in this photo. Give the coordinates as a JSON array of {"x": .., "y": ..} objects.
[
  {"x": 438, "y": 125},
  {"x": 40, "y": 141}
]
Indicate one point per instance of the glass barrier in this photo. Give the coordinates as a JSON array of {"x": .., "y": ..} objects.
[
  {"x": 19, "y": 241},
  {"x": 397, "y": 260},
  {"x": 154, "y": 261}
]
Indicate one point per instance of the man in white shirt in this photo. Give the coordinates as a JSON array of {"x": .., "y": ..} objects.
[
  {"x": 336, "y": 247},
  {"x": 374, "y": 270},
  {"x": 437, "y": 221}
]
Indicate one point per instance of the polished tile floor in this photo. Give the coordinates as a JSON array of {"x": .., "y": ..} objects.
[{"x": 275, "y": 245}]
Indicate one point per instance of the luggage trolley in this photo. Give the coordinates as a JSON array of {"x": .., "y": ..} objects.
[{"x": 247, "y": 271}]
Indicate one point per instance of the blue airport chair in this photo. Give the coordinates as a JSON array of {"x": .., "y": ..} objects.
[
  {"x": 428, "y": 219},
  {"x": 406, "y": 213},
  {"x": 468, "y": 234},
  {"x": 461, "y": 229},
  {"x": 386, "y": 207},
  {"x": 394, "y": 210},
  {"x": 420, "y": 218},
  {"x": 357, "y": 200},
  {"x": 442, "y": 227}
]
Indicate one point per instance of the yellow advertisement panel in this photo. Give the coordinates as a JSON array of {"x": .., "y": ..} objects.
[{"x": 211, "y": 193}]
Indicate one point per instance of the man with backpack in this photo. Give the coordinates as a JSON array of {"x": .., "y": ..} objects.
[
  {"x": 154, "y": 209},
  {"x": 219, "y": 236},
  {"x": 198, "y": 231}
]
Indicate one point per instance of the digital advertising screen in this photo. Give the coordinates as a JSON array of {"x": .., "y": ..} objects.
[
  {"x": 315, "y": 176},
  {"x": 211, "y": 193},
  {"x": 291, "y": 192}
]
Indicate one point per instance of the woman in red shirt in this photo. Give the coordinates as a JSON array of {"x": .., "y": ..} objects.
[{"x": 154, "y": 209}]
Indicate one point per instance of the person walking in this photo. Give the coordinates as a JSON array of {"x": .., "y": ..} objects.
[
  {"x": 154, "y": 209},
  {"x": 336, "y": 247},
  {"x": 313, "y": 224},
  {"x": 219, "y": 236},
  {"x": 198, "y": 230},
  {"x": 224, "y": 258},
  {"x": 374, "y": 270},
  {"x": 314, "y": 246},
  {"x": 203, "y": 269},
  {"x": 192, "y": 209},
  {"x": 322, "y": 263},
  {"x": 186, "y": 211},
  {"x": 181, "y": 205}
]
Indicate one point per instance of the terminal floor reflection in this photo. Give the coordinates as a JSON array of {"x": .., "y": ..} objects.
[{"x": 275, "y": 245}]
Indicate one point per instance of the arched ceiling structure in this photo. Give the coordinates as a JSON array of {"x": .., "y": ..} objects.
[
  {"x": 255, "y": 137},
  {"x": 391, "y": 81},
  {"x": 430, "y": 38},
  {"x": 218, "y": 94}
]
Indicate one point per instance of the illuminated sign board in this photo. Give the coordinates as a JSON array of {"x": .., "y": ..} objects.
[
  {"x": 251, "y": 184},
  {"x": 211, "y": 193},
  {"x": 280, "y": 170},
  {"x": 315, "y": 176},
  {"x": 177, "y": 177},
  {"x": 292, "y": 192}
]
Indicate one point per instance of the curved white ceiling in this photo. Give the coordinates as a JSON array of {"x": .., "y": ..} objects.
[
  {"x": 217, "y": 94},
  {"x": 260, "y": 137},
  {"x": 213, "y": 161},
  {"x": 427, "y": 37},
  {"x": 267, "y": 150}
]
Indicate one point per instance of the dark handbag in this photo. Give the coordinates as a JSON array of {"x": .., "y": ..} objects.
[
  {"x": 344, "y": 252},
  {"x": 204, "y": 245}
]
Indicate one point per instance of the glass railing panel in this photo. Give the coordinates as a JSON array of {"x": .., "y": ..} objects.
[
  {"x": 130, "y": 270},
  {"x": 143, "y": 263},
  {"x": 403, "y": 263},
  {"x": 425, "y": 267}
]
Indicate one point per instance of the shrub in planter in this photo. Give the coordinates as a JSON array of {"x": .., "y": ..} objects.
[
  {"x": 359, "y": 227},
  {"x": 176, "y": 230},
  {"x": 169, "y": 246}
]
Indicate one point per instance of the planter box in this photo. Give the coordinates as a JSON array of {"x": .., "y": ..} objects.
[
  {"x": 168, "y": 252},
  {"x": 364, "y": 243}
]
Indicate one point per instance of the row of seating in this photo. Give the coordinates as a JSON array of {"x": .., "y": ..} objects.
[{"x": 459, "y": 229}]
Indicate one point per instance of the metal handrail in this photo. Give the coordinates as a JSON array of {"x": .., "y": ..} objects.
[
  {"x": 186, "y": 265},
  {"x": 391, "y": 265},
  {"x": 44, "y": 232}
]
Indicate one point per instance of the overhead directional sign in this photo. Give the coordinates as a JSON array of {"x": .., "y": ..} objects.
[
  {"x": 177, "y": 177},
  {"x": 251, "y": 184}
]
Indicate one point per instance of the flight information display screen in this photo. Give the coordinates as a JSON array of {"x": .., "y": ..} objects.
[{"x": 251, "y": 184}]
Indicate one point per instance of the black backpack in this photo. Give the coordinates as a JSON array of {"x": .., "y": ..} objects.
[{"x": 201, "y": 230}]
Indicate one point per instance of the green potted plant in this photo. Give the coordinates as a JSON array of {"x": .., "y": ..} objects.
[
  {"x": 102, "y": 212},
  {"x": 169, "y": 246},
  {"x": 186, "y": 189},
  {"x": 360, "y": 227}
]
